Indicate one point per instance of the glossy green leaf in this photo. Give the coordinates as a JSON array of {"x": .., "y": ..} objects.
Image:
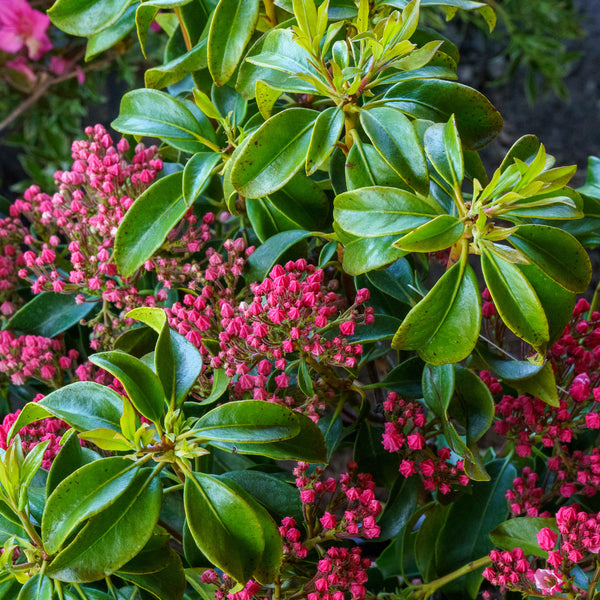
[
  {"x": 83, "y": 18},
  {"x": 304, "y": 380},
  {"x": 486, "y": 11},
  {"x": 326, "y": 132},
  {"x": 522, "y": 533},
  {"x": 383, "y": 328},
  {"x": 114, "y": 536},
  {"x": 84, "y": 405},
  {"x": 555, "y": 252},
  {"x": 542, "y": 385},
  {"x": 478, "y": 122},
  {"x": 38, "y": 587},
  {"x": 153, "y": 113},
  {"x": 515, "y": 299},
  {"x": 175, "y": 70},
  {"x": 49, "y": 314},
  {"x": 274, "y": 153},
  {"x": 8, "y": 528},
  {"x": 219, "y": 386},
  {"x": 507, "y": 370},
  {"x": 465, "y": 534},
  {"x": 366, "y": 168},
  {"x": 167, "y": 584},
  {"x": 372, "y": 457},
  {"x": 107, "y": 38},
  {"x": 279, "y": 497},
  {"x": 153, "y": 557},
  {"x": 97, "y": 485},
  {"x": 197, "y": 173},
  {"x": 438, "y": 387},
  {"x": 378, "y": 211},
  {"x": 107, "y": 439},
  {"x": 438, "y": 234},
  {"x": 229, "y": 102},
  {"x": 443, "y": 149},
  {"x": 405, "y": 378},
  {"x": 444, "y": 326},
  {"x": 224, "y": 526},
  {"x": 564, "y": 203},
  {"x": 525, "y": 149},
  {"x": 232, "y": 27},
  {"x": 365, "y": 254},
  {"x": 266, "y": 97},
  {"x": 394, "y": 137},
  {"x": 252, "y": 421},
  {"x": 142, "y": 386},
  {"x": 147, "y": 223},
  {"x": 396, "y": 281},
  {"x": 261, "y": 261},
  {"x": 399, "y": 508},
  {"x": 426, "y": 540},
  {"x": 146, "y": 13}
]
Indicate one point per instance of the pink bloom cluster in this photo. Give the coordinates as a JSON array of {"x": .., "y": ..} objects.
[
  {"x": 27, "y": 356},
  {"x": 225, "y": 583},
  {"x": 348, "y": 506},
  {"x": 23, "y": 27},
  {"x": 12, "y": 234},
  {"x": 261, "y": 328},
  {"x": 510, "y": 569},
  {"x": 45, "y": 430},
  {"x": 404, "y": 433},
  {"x": 526, "y": 496},
  {"x": 341, "y": 570}
]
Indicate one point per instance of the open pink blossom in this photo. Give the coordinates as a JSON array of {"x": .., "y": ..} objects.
[
  {"x": 22, "y": 26},
  {"x": 548, "y": 581}
]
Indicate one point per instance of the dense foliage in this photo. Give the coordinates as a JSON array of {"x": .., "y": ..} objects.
[{"x": 306, "y": 347}]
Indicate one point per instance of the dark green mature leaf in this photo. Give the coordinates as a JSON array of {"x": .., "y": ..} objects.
[
  {"x": 438, "y": 388},
  {"x": 197, "y": 173},
  {"x": 365, "y": 254},
  {"x": 167, "y": 584},
  {"x": 426, "y": 540},
  {"x": 405, "y": 378},
  {"x": 522, "y": 533},
  {"x": 515, "y": 299},
  {"x": 252, "y": 421},
  {"x": 38, "y": 587},
  {"x": 97, "y": 485},
  {"x": 396, "y": 281},
  {"x": 114, "y": 536},
  {"x": 148, "y": 222},
  {"x": 478, "y": 122},
  {"x": 444, "y": 326},
  {"x": 153, "y": 557},
  {"x": 555, "y": 252},
  {"x": 372, "y": 457},
  {"x": 280, "y": 498},
  {"x": 142, "y": 386},
  {"x": 326, "y": 132},
  {"x": 508, "y": 370},
  {"x": 379, "y": 211},
  {"x": 84, "y": 405},
  {"x": 542, "y": 385},
  {"x": 49, "y": 314},
  {"x": 9, "y": 589},
  {"x": 399, "y": 508},
  {"x": 365, "y": 168},
  {"x": 383, "y": 328},
  {"x": 274, "y": 153},
  {"x": 107, "y": 38},
  {"x": 394, "y": 137},
  {"x": 175, "y": 70},
  {"x": 83, "y": 18},
  {"x": 438, "y": 234},
  {"x": 153, "y": 113},
  {"x": 9, "y": 528},
  {"x": 465, "y": 534},
  {"x": 262, "y": 260},
  {"x": 224, "y": 526},
  {"x": 146, "y": 13},
  {"x": 231, "y": 28}
]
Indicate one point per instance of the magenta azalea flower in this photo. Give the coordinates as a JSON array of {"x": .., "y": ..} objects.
[{"x": 22, "y": 26}]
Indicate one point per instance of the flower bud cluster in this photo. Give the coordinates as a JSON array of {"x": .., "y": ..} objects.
[
  {"x": 12, "y": 235},
  {"x": 405, "y": 433},
  {"x": 225, "y": 584}
]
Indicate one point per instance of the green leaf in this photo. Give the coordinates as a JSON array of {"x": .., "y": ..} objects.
[
  {"x": 224, "y": 526},
  {"x": 556, "y": 253},
  {"x": 261, "y": 261},
  {"x": 107, "y": 439},
  {"x": 542, "y": 385},
  {"x": 379, "y": 211},
  {"x": 326, "y": 132},
  {"x": 274, "y": 153},
  {"x": 38, "y": 587},
  {"x": 443, "y": 149},
  {"x": 142, "y": 386},
  {"x": 153, "y": 113},
  {"x": 382, "y": 329},
  {"x": 230, "y": 103},
  {"x": 197, "y": 173},
  {"x": 399, "y": 508},
  {"x": 478, "y": 122},
  {"x": 525, "y": 149},
  {"x": 252, "y": 421},
  {"x": 426, "y": 540},
  {"x": 304, "y": 380},
  {"x": 85, "y": 17},
  {"x": 405, "y": 378},
  {"x": 365, "y": 168},
  {"x": 438, "y": 234},
  {"x": 147, "y": 12},
  {"x": 148, "y": 222},
  {"x": 175, "y": 70},
  {"x": 84, "y": 405},
  {"x": 372, "y": 457},
  {"x": 153, "y": 557},
  {"x": 444, "y": 326},
  {"x": 564, "y": 203},
  {"x": 515, "y": 299},
  {"x": 365, "y": 254},
  {"x": 522, "y": 533},
  {"x": 97, "y": 485},
  {"x": 396, "y": 281},
  {"x": 231, "y": 28},
  {"x": 114, "y": 536},
  {"x": 219, "y": 386},
  {"x": 49, "y": 314},
  {"x": 394, "y": 137},
  {"x": 438, "y": 387},
  {"x": 507, "y": 370},
  {"x": 107, "y": 38},
  {"x": 465, "y": 534},
  {"x": 167, "y": 584}
]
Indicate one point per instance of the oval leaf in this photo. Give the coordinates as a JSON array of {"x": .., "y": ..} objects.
[
  {"x": 327, "y": 130},
  {"x": 84, "y": 18},
  {"x": 439, "y": 234}
]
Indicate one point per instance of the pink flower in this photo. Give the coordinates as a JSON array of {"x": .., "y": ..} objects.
[
  {"x": 22, "y": 26},
  {"x": 547, "y": 581},
  {"x": 547, "y": 538}
]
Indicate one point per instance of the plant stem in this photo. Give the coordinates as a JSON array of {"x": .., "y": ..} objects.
[
  {"x": 184, "y": 31},
  {"x": 270, "y": 10}
]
